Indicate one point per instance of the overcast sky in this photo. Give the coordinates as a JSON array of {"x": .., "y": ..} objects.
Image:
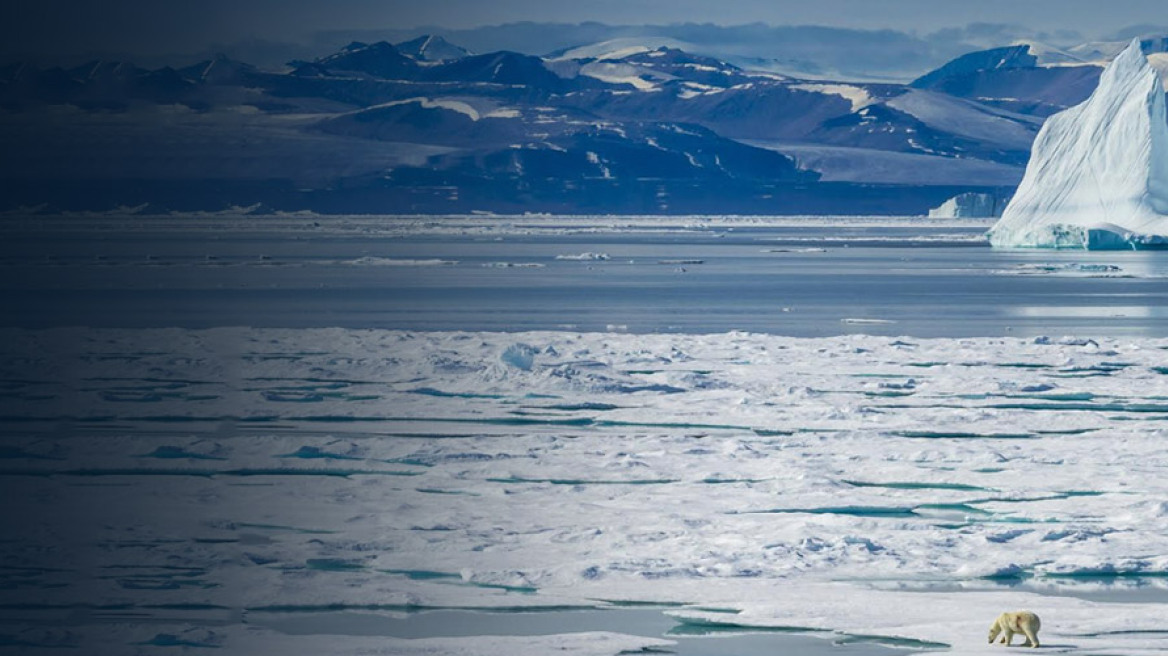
[{"x": 170, "y": 26}]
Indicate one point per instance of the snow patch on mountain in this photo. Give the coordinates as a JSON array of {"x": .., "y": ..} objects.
[
  {"x": 504, "y": 112},
  {"x": 870, "y": 165},
  {"x": 858, "y": 96},
  {"x": 965, "y": 118},
  {"x": 1048, "y": 55},
  {"x": 690, "y": 90},
  {"x": 1102, "y": 52},
  {"x": 1098, "y": 172},
  {"x": 643, "y": 79},
  {"x": 428, "y": 103},
  {"x": 430, "y": 48},
  {"x": 619, "y": 48}
]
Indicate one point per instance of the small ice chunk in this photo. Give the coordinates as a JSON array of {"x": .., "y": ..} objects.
[
  {"x": 520, "y": 356},
  {"x": 586, "y": 257}
]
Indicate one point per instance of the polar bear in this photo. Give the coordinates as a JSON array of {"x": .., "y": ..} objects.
[{"x": 1020, "y": 621}]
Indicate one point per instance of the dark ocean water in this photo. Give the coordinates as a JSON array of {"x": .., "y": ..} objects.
[{"x": 799, "y": 281}]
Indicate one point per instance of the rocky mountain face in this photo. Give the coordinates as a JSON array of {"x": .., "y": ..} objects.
[{"x": 425, "y": 126}]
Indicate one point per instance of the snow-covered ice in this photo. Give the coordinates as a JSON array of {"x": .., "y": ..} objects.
[
  {"x": 585, "y": 257},
  {"x": 1098, "y": 172},
  {"x": 398, "y": 262},
  {"x": 828, "y": 484}
]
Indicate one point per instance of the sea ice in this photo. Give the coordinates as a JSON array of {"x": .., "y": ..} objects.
[
  {"x": 161, "y": 637},
  {"x": 1098, "y": 172},
  {"x": 819, "y": 483},
  {"x": 397, "y": 262},
  {"x": 520, "y": 356},
  {"x": 585, "y": 257}
]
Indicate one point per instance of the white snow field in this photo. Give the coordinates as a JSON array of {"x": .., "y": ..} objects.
[
  {"x": 1098, "y": 172},
  {"x": 186, "y": 486}
]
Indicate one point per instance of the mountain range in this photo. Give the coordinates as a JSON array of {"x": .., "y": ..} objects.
[{"x": 617, "y": 126}]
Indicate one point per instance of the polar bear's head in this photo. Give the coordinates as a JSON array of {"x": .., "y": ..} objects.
[{"x": 995, "y": 629}]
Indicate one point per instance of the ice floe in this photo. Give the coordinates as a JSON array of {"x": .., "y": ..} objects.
[
  {"x": 398, "y": 262},
  {"x": 585, "y": 257},
  {"x": 826, "y": 484}
]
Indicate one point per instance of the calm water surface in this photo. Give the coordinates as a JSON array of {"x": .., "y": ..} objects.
[
  {"x": 809, "y": 281},
  {"x": 653, "y": 623}
]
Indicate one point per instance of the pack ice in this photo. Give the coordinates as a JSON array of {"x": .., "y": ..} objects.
[{"x": 1098, "y": 172}]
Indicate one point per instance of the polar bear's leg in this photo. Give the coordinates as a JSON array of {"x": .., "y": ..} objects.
[
  {"x": 1031, "y": 636},
  {"x": 1007, "y": 636}
]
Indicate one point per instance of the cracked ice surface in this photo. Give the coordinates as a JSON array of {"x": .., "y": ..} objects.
[{"x": 801, "y": 482}]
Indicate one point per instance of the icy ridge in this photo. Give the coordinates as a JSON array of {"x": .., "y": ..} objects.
[{"x": 1098, "y": 172}]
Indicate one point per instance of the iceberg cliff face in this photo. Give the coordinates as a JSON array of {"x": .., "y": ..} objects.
[
  {"x": 970, "y": 205},
  {"x": 1098, "y": 172}
]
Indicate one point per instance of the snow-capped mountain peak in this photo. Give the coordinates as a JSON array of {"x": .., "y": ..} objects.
[
  {"x": 1048, "y": 55},
  {"x": 378, "y": 59},
  {"x": 430, "y": 48}
]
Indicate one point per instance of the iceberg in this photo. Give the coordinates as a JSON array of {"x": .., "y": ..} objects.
[
  {"x": 1098, "y": 172},
  {"x": 969, "y": 205}
]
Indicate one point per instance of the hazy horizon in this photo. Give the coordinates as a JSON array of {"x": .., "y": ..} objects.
[{"x": 62, "y": 29}]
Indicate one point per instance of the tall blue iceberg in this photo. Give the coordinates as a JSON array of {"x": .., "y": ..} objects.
[{"x": 1098, "y": 172}]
